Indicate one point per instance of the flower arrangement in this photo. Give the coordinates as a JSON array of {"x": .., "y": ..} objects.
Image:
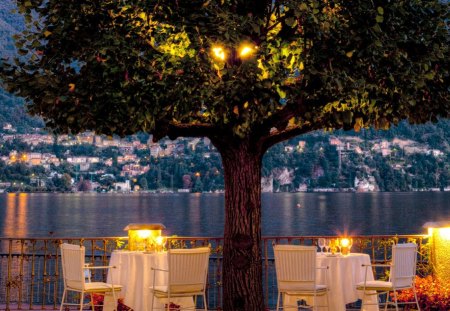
[
  {"x": 98, "y": 302},
  {"x": 172, "y": 307},
  {"x": 431, "y": 294}
]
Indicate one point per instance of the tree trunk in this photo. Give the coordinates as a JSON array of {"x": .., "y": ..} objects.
[{"x": 242, "y": 265}]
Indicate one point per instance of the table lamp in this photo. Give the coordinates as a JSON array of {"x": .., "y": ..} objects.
[{"x": 144, "y": 236}]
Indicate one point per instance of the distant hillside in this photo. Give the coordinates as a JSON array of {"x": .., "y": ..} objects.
[
  {"x": 12, "y": 109},
  {"x": 10, "y": 23}
]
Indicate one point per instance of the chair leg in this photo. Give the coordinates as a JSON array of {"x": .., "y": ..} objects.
[
  {"x": 204, "y": 302},
  {"x": 395, "y": 300},
  {"x": 278, "y": 302},
  {"x": 81, "y": 300},
  {"x": 116, "y": 302},
  {"x": 415, "y": 297},
  {"x": 387, "y": 301},
  {"x": 92, "y": 302},
  {"x": 363, "y": 299},
  {"x": 62, "y": 300}
]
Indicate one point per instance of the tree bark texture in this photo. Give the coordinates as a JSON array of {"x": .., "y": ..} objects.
[{"x": 242, "y": 265}]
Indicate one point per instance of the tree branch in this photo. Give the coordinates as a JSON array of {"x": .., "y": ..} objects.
[
  {"x": 281, "y": 118},
  {"x": 277, "y": 136},
  {"x": 174, "y": 130}
]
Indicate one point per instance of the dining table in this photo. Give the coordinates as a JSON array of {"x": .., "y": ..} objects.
[
  {"x": 343, "y": 273},
  {"x": 133, "y": 270}
]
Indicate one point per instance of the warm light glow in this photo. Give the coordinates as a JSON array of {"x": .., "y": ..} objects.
[
  {"x": 143, "y": 237},
  {"x": 444, "y": 233},
  {"x": 159, "y": 240},
  {"x": 345, "y": 242},
  {"x": 439, "y": 235},
  {"x": 143, "y": 234},
  {"x": 218, "y": 53},
  {"x": 246, "y": 51}
]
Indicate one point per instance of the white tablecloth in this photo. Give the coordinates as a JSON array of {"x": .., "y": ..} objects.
[
  {"x": 133, "y": 272},
  {"x": 344, "y": 272}
]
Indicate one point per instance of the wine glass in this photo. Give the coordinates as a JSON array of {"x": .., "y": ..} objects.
[
  {"x": 321, "y": 243},
  {"x": 333, "y": 246},
  {"x": 350, "y": 243},
  {"x": 327, "y": 245},
  {"x": 337, "y": 245}
]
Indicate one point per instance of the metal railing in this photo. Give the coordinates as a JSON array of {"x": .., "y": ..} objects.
[{"x": 30, "y": 272}]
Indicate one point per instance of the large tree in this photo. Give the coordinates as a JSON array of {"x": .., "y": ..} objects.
[{"x": 179, "y": 68}]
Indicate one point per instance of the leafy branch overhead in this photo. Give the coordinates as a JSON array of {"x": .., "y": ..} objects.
[{"x": 127, "y": 66}]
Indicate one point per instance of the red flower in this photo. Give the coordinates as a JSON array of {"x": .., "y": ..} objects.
[{"x": 431, "y": 294}]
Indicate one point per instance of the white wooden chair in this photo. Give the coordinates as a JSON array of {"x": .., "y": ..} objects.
[
  {"x": 401, "y": 276},
  {"x": 296, "y": 272},
  {"x": 76, "y": 278},
  {"x": 187, "y": 272}
]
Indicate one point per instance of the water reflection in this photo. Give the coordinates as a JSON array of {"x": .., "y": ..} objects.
[
  {"x": 283, "y": 214},
  {"x": 15, "y": 217}
]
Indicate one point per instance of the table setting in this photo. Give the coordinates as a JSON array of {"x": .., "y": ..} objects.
[
  {"x": 133, "y": 268},
  {"x": 345, "y": 270}
]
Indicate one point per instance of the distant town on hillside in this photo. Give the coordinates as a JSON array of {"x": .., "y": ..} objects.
[{"x": 405, "y": 158}]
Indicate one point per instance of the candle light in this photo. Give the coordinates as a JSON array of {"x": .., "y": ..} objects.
[{"x": 345, "y": 244}]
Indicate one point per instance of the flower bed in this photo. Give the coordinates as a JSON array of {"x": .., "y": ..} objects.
[{"x": 432, "y": 295}]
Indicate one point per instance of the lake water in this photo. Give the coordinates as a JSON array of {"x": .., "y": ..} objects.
[{"x": 284, "y": 214}]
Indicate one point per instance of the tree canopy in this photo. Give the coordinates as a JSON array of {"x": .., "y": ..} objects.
[
  {"x": 128, "y": 66},
  {"x": 180, "y": 68}
]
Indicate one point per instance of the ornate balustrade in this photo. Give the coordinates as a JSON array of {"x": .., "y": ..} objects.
[{"x": 30, "y": 272}]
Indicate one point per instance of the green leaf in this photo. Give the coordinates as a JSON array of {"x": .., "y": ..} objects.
[
  {"x": 291, "y": 22},
  {"x": 347, "y": 117},
  {"x": 23, "y": 52},
  {"x": 430, "y": 75},
  {"x": 256, "y": 28}
]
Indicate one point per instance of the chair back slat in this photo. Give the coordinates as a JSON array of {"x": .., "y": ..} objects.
[
  {"x": 295, "y": 264},
  {"x": 188, "y": 269},
  {"x": 73, "y": 257},
  {"x": 404, "y": 259}
]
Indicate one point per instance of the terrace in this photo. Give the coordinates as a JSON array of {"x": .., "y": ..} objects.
[{"x": 31, "y": 273}]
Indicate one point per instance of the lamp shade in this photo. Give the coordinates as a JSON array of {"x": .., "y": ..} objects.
[{"x": 143, "y": 236}]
